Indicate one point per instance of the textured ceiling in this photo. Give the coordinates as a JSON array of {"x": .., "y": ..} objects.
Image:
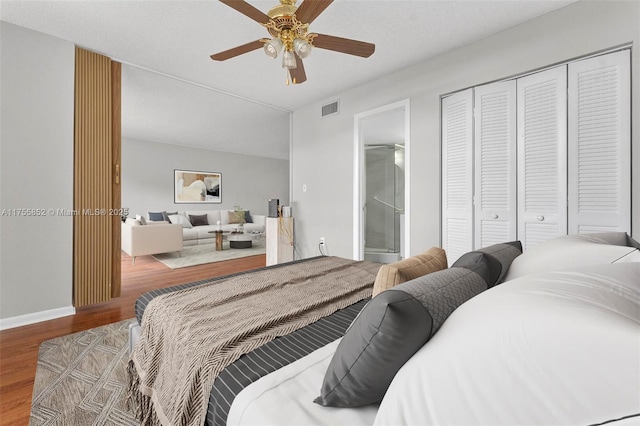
[{"x": 175, "y": 38}]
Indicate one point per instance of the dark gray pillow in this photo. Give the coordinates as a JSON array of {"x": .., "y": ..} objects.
[
  {"x": 198, "y": 220},
  {"x": 156, "y": 216},
  {"x": 393, "y": 326},
  {"x": 505, "y": 253},
  {"x": 247, "y": 217}
]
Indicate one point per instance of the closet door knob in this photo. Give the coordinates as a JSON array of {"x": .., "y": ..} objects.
[
  {"x": 540, "y": 218},
  {"x": 495, "y": 216}
]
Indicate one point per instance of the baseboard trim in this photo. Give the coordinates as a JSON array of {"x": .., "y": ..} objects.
[{"x": 35, "y": 317}]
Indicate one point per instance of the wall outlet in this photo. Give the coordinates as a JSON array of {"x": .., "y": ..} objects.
[{"x": 321, "y": 241}]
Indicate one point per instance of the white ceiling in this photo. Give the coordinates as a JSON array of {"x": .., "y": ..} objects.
[{"x": 241, "y": 105}]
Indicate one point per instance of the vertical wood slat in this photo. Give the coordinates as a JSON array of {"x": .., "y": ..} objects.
[
  {"x": 116, "y": 201},
  {"x": 93, "y": 159}
]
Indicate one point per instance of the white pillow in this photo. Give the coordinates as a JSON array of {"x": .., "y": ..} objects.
[
  {"x": 133, "y": 222},
  {"x": 568, "y": 252},
  {"x": 141, "y": 219},
  {"x": 180, "y": 220},
  {"x": 550, "y": 348}
]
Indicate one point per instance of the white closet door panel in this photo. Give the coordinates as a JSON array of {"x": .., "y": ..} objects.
[
  {"x": 457, "y": 174},
  {"x": 495, "y": 163},
  {"x": 600, "y": 144},
  {"x": 542, "y": 156}
]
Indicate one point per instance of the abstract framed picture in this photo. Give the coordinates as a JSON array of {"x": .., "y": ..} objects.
[{"x": 195, "y": 187}]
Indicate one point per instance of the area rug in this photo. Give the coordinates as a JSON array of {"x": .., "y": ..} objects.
[
  {"x": 206, "y": 253},
  {"x": 81, "y": 379}
]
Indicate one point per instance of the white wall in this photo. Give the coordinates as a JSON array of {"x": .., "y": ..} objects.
[
  {"x": 36, "y": 172},
  {"x": 323, "y": 154},
  {"x": 247, "y": 181}
]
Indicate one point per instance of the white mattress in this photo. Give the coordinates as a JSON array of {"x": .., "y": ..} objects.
[{"x": 285, "y": 397}]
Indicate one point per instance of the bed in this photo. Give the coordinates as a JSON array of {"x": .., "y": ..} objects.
[{"x": 491, "y": 346}]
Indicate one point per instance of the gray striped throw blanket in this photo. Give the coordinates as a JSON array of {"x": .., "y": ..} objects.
[{"x": 190, "y": 335}]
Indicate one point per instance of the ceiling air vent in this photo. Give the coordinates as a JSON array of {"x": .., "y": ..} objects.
[{"x": 330, "y": 109}]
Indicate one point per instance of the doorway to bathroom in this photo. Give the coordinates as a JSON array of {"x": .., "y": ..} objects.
[{"x": 381, "y": 206}]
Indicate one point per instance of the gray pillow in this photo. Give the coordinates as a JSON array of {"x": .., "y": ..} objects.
[
  {"x": 198, "y": 220},
  {"x": 394, "y": 325},
  {"x": 505, "y": 253},
  {"x": 156, "y": 216}
]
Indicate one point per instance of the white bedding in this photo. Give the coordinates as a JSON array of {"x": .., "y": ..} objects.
[
  {"x": 554, "y": 348},
  {"x": 557, "y": 348},
  {"x": 285, "y": 397}
]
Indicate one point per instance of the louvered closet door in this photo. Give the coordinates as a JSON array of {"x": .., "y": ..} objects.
[
  {"x": 457, "y": 174},
  {"x": 542, "y": 156},
  {"x": 495, "y": 163},
  {"x": 599, "y": 144}
]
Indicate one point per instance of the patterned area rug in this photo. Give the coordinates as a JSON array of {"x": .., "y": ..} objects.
[
  {"x": 206, "y": 253},
  {"x": 81, "y": 379}
]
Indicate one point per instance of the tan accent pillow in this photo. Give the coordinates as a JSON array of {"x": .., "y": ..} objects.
[
  {"x": 392, "y": 274},
  {"x": 236, "y": 216}
]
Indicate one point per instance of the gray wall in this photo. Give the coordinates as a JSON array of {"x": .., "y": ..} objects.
[
  {"x": 247, "y": 181},
  {"x": 323, "y": 153},
  {"x": 36, "y": 171}
]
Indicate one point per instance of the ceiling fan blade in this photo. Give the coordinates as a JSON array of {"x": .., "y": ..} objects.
[
  {"x": 309, "y": 10},
  {"x": 297, "y": 74},
  {"x": 344, "y": 45},
  {"x": 236, "y": 51},
  {"x": 247, "y": 10}
]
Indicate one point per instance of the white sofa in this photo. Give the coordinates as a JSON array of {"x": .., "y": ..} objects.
[
  {"x": 201, "y": 234},
  {"x": 138, "y": 240}
]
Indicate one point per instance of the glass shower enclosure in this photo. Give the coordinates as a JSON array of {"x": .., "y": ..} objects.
[{"x": 384, "y": 202}]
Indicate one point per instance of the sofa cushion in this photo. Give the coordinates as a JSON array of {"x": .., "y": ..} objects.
[
  {"x": 141, "y": 219},
  {"x": 180, "y": 220},
  {"x": 198, "y": 220},
  {"x": 166, "y": 215},
  {"x": 394, "y": 325},
  {"x": 392, "y": 274},
  {"x": 247, "y": 217},
  {"x": 189, "y": 234},
  {"x": 156, "y": 216},
  {"x": 236, "y": 216}
]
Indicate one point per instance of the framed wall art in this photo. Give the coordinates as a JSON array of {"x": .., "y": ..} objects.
[{"x": 195, "y": 187}]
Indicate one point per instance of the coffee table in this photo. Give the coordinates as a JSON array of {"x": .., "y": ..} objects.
[{"x": 242, "y": 241}]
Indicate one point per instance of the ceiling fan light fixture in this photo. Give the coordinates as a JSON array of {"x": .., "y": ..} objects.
[
  {"x": 301, "y": 47},
  {"x": 272, "y": 47},
  {"x": 289, "y": 60}
]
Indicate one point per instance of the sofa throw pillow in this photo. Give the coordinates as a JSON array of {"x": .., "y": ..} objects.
[
  {"x": 236, "y": 216},
  {"x": 156, "y": 216},
  {"x": 247, "y": 217},
  {"x": 198, "y": 219},
  {"x": 393, "y": 326},
  {"x": 180, "y": 220},
  {"x": 165, "y": 215},
  {"x": 392, "y": 274},
  {"x": 141, "y": 219}
]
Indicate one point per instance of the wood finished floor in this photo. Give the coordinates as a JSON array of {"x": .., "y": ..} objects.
[{"x": 19, "y": 346}]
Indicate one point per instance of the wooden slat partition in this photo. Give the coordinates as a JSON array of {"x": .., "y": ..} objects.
[{"x": 93, "y": 162}]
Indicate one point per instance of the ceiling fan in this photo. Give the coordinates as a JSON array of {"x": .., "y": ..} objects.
[{"x": 288, "y": 26}]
